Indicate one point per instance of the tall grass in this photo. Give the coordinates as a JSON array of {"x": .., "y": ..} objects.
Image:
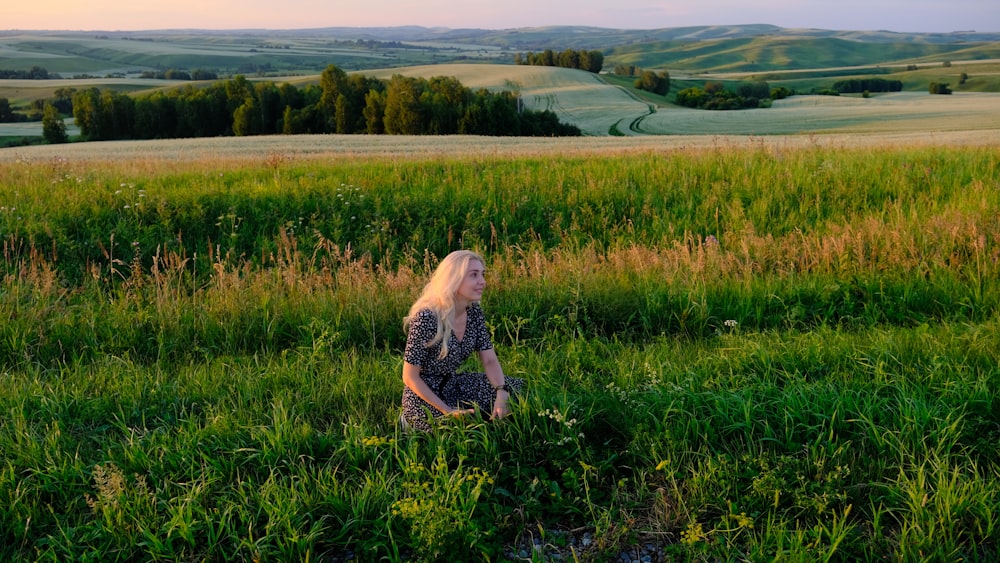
[{"x": 735, "y": 354}]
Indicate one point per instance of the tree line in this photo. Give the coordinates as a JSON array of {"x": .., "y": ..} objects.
[
  {"x": 591, "y": 61},
  {"x": 648, "y": 80},
  {"x": 341, "y": 103},
  {"x": 34, "y": 73},
  {"x": 860, "y": 85},
  {"x": 715, "y": 96},
  {"x": 177, "y": 74},
  {"x": 939, "y": 88}
]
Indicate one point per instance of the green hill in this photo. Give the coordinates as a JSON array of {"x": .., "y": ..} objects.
[
  {"x": 734, "y": 48},
  {"x": 786, "y": 53}
]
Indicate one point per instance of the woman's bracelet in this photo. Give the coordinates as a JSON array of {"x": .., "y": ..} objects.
[{"x": 502, "y": 388}]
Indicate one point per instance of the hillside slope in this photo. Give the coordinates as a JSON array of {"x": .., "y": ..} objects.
[
  {"x": 754, "y": 54},
  {"x": 260, "y": 51}
]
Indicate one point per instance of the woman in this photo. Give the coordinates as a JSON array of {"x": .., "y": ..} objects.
[{"x": 445, "y": 326}]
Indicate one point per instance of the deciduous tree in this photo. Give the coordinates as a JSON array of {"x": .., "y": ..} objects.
[
  {"x": 53, "y": 128},
  {"x": 6, "y": 112}
]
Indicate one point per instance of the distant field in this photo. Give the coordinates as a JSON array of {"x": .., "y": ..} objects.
[
  {"x": 899, "y": 112},
  {"x": 25, "y": 91},
  {"x": 240, "y": 151},
  {"x": 33, "y": 129},
  {"x": 101, "y": 53}
]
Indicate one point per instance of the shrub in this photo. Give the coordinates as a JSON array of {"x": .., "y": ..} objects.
[
  {"x": 858, "y": 85},
  {"x": 715, "y": 96},
  {"x": 781, "y": 92},
  {"x": 939, "y": 88},
  {"x": 655, "y": 82}
]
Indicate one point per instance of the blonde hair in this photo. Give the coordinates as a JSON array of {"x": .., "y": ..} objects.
[{"x": 439, "y": 295}]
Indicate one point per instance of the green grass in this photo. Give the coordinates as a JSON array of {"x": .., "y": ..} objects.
[
  {"x": 18, "y": 141},
  {"x": 739, "y": 354}
]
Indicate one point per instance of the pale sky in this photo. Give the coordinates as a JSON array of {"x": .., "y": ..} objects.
[{"x": 861, "y": 15}]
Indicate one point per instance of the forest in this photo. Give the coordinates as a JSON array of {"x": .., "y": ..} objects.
[{"x": 340, "y": 103}]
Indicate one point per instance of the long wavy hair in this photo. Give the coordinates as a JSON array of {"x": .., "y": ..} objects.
[{"x": 439, "y": 295}]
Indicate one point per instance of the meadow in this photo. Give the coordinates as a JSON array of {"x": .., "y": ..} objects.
[{"x": 781, "y": 349}]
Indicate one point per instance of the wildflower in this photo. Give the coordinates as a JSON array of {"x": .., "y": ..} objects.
[
  {"x": 693, "y": 534},
  {"x": 376, "y": 441},
  {"x": 742, "y": 520},
  {"x": 731, "y": 323}
]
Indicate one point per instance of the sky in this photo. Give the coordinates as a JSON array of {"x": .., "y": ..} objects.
[{"x": 855, "y": 15}]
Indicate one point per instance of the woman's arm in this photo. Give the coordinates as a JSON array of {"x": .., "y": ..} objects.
[
  {"x": 491, "y": 365},
  {"x": 412, "y": 379}
]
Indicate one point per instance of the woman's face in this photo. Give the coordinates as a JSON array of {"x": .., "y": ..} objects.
[{"x": 473, "y": 284}]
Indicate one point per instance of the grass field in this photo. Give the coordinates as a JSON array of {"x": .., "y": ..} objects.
[
  {"x": 239, "y": 151},
  {"x": 737, "y": 348},
  {"x": 900, "y": 112}
]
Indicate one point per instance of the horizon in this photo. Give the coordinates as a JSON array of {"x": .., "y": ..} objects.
[
  {"x": 898, "y": 16},
  {"x": 492, "y": 29}
]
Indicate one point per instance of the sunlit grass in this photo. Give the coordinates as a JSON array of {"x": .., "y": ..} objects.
[{"x": 738, "y": 353}]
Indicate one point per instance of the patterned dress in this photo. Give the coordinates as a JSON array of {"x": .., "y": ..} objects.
[{"x": 460, "y": 390}]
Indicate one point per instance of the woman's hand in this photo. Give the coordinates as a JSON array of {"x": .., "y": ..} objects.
[
  {"x": 500, "y": 408},
  {"x": 459, "y": 413}
]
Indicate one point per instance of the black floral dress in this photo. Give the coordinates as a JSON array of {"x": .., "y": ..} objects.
[{"x": 460, "y": 390}]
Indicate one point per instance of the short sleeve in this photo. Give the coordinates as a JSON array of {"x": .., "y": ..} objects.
[
  {"x": 423, "y": 327},
  {"x": 483, "y": 340}
]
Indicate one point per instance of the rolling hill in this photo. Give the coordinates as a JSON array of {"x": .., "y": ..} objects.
[
  {"x": 743, "y": 48},
  {"x": 754, "y": 54}
]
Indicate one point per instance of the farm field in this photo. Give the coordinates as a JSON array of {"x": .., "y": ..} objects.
[
  {"x": 737, "y": 348},
  {"x": 898, "y": 112},
  {"x": 101, "y": 53},
  {"x": 242, "y": 151},
  {"x": 30, "y": 90}
]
